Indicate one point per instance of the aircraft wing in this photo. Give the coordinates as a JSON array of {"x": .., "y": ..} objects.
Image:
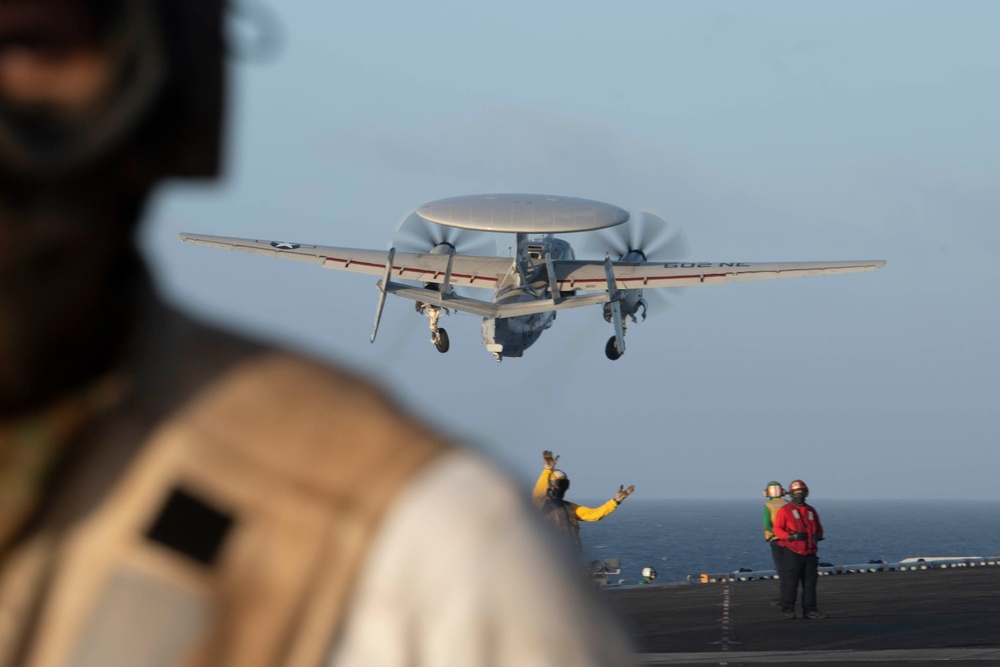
[
  {"x": 466, "y": 270},
  {"x": 486, "y": 272},
  {"x": 591, "y": 275}
]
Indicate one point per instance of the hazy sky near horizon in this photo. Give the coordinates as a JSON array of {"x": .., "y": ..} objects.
[{"x": 775, "y": 131}]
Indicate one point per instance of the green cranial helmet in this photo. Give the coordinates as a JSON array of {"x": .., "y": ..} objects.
[{"x": 774, "y": 490}]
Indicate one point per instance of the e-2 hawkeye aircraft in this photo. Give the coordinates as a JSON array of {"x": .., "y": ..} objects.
[{"x": 541, "y": 279}]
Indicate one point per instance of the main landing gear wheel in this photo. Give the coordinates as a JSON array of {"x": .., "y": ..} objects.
[
  {"x": 611, "y": 349},
  {"x": 441, "y": 341}
]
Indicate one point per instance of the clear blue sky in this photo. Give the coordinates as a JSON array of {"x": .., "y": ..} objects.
[{"x": 769, "y": 131}]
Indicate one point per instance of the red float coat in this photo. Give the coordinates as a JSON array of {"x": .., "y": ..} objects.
[{"x": 792, "y": 518}]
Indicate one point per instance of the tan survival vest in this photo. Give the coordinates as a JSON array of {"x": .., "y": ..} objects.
[
  {"x": 232, "y": 539},
  {"x": 561, "y": 514},
  {"x": 772, "y": 506}
]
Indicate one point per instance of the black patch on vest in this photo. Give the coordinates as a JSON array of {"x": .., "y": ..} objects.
[{"x": 190, "y": 526}]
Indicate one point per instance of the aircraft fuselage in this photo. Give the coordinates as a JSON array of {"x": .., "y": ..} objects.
[{"x": 527, "y": 281}]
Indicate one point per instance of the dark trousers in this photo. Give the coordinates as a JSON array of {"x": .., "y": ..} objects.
[
  {"x": 797, "y": 569},
  {"x": 776, "y": 550}
]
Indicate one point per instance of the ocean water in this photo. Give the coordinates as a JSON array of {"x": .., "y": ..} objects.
[{"x": 684, "y": 537}]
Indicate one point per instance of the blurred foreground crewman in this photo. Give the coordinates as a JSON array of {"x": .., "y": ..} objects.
[
  {"x": 171, "y": 494},
  {"x": 548, "y": 496}
]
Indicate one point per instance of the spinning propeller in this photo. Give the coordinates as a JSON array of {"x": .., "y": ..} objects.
[
  {"x": 415, "y": 234},
  {"x": 646, "y": 237}
]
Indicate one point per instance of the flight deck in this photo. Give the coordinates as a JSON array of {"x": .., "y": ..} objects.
[{"x": 884, "y": 618}]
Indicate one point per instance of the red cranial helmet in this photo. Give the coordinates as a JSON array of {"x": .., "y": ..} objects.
[{"x": 799, "y": 485}]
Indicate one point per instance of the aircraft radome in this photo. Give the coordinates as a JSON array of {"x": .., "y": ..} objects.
[{"x": 542, "y": 278}]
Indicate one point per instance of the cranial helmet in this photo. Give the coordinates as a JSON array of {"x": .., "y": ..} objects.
[
  {"x": 798, "y": 485},
  {"x": 558, "y": 484},
  {"x": 559, "y": 480},
  {"x": 774, "y": 490},
  {"x": 649, "y": 572}
]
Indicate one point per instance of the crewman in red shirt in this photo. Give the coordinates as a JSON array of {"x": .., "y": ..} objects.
[{"x": 798, "y": 529}]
